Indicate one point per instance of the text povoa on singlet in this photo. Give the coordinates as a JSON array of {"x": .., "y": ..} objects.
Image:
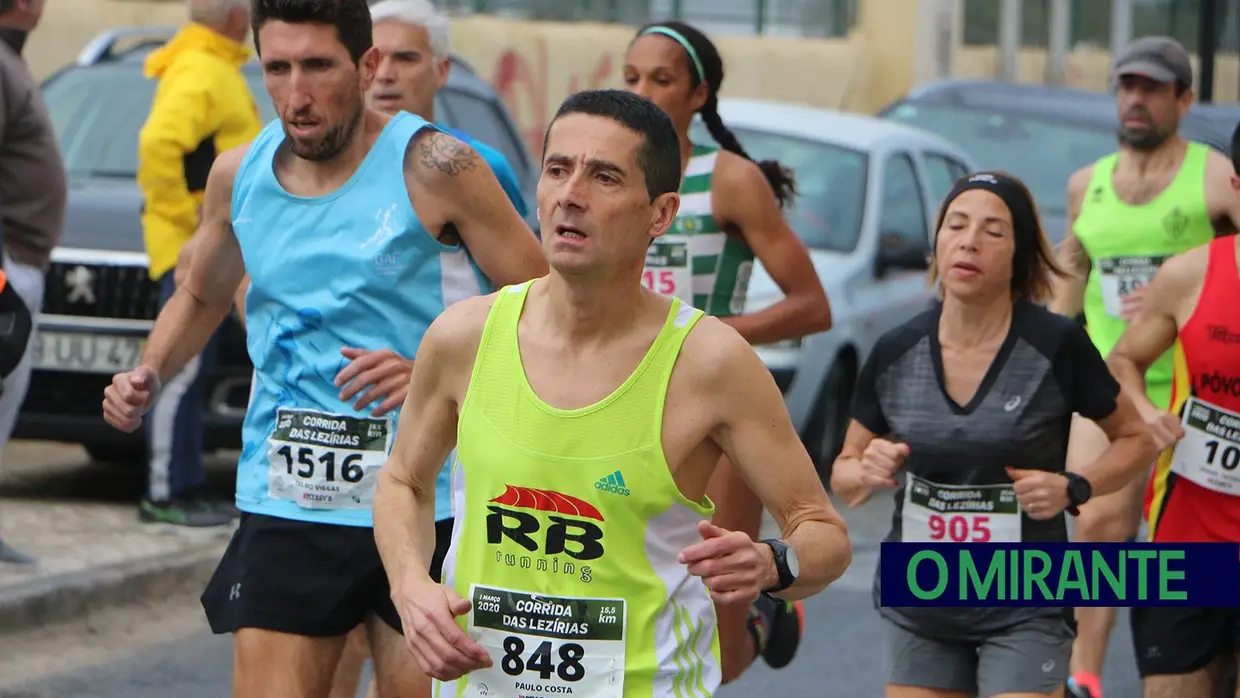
[
  {"x": 544, "y": 645},
  {"x": 1209, "y": 453},
  {"x": 938, "y": 513},
  {"x": 326, "y": 461}
]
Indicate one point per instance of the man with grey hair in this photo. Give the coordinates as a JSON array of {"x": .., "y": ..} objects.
[
  {"x": 202, "y": 107},
  {"x": 32, "y": 191}
]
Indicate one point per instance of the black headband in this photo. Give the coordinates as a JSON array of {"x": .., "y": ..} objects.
[{"x": 1024, "y": 216}]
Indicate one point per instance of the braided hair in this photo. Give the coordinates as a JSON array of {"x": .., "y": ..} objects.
[{"x": 707, "y": 66}]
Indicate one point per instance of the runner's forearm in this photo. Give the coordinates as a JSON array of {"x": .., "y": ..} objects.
[
  {"x": 790, "y": 318},
  {"x": 823, "y": 555},
  {"x": 1124, "y": 459},
  {"x": 846, "y": 482},
  {"x": 180, "y": 333},
  {"x": 404, "y": 526}
]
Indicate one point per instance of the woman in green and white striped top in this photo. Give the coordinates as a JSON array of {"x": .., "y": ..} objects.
[{"x": 730, "y": 214}]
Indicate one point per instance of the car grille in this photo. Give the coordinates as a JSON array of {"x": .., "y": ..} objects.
[{"x": 100, "y": 290}]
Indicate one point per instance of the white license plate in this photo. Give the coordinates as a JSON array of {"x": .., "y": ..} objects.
[{"x": 85, "y": 353}]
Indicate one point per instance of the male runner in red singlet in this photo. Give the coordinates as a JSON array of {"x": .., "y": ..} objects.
[{"x": 1195, "y": 491}]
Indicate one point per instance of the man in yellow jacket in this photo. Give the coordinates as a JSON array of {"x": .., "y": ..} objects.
[{"x": 202, "y": 106}]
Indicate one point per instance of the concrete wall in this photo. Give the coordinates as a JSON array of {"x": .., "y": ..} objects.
[{"x": 535, "y": 65}]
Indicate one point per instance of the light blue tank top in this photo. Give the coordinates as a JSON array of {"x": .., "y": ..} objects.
[{"x": 354, "y": 268}]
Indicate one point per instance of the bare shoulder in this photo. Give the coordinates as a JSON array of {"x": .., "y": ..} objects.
[
  {"x": 1185, "y": 271},
  {"x": 1078, "y": 182},
  {"x": 717, "y": 358},
  {"x": 229, "y": 161},
  {"x": 1221, "y": 198},
  {"x": 734, "y": 173},
  {"x": 457, "y": 332},
  {"x": 435, "y": 158}
]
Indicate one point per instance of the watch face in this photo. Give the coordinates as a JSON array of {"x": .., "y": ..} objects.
[{"x": 791, "y": 558}]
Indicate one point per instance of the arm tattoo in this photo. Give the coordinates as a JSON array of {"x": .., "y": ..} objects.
[{"x": 439, "y": 151}]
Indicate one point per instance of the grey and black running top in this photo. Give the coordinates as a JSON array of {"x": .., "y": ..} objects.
[{"x": 956, "y": 487}]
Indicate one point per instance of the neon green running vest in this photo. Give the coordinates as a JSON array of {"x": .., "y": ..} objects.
[
  {"x": 1126, "y": 245},
  {"x": 568, "y": 524},
  {"x": 695, "y": 260}
]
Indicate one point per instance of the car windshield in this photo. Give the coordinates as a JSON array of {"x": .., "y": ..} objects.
[
  {"x": 831, "y": 184},
  {"x": 98, "y": 112},
  {"x": 1041, "y": 150}
]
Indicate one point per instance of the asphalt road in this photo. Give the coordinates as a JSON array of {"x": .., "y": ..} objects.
[{"x": 164, "y": 648}]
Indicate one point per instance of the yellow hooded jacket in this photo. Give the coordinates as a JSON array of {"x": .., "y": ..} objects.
[{"x": 202, "y": 107}]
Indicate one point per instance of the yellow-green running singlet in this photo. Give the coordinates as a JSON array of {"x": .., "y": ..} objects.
[
  {"x": 568, "y": 524},
  {"x": 696, "y": 260},
  {"x": 1126, "y": 245}
]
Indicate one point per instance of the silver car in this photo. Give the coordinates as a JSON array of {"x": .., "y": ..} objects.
[{"x": 869, "y": 193}]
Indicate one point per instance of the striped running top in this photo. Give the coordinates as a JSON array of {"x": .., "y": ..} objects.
[{"x": 695, "y": 260}]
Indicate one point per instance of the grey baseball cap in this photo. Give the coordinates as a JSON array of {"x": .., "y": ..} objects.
[{"x": 1159, "y": 58}]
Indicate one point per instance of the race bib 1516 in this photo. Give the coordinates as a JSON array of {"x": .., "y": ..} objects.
[
  {"x": 326, "y": 461},
  {"x": 935, "y": 513},
  {"x": 1209, "y": 453},
  {"x": 544, "y": 645}
]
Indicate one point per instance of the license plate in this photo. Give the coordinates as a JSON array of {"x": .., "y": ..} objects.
[{"x": 85, "y": 353}]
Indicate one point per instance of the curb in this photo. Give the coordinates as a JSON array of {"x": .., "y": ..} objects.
[{"x": 71, "y": 595}]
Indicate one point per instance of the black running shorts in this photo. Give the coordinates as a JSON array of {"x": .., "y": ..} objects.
[
  {"x": 1173, "y": 640},
  {"x": 301, "y": 578}
]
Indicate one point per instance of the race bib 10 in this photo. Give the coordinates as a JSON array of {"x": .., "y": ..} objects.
[
  {"x": 544, "y": 645},
  {"x": 935, "y": 513},
  {"x": 326, "y": 461},
  {"x": 1209, "y": 453},
  {"x": 1121, "y": 276},
  {"x": 669, "y": 269}
]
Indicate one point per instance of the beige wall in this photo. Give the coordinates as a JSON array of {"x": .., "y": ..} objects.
[{"x": 535, "y": 65}]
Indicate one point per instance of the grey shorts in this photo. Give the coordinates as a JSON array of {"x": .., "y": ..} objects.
[{"x": 1031, "y": 657}]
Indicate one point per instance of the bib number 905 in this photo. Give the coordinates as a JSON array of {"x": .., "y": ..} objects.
[
  {"x": 514, "y": 662},
  {"x": 960, "y": 529}
]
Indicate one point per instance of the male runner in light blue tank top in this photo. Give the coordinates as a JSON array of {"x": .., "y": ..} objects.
[{"x": 319, "y": 211}]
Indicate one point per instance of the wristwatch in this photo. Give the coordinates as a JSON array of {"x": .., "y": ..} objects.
[
  {"x": 1079, "y": 492},
  {"x": 785, "y": 564}
]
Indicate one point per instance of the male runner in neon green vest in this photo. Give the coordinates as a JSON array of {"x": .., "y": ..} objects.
[
  {"x": 1160, "y": 195},
  {"x": 588, "y": 414}
]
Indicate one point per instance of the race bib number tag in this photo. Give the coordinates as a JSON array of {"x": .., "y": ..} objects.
[
  {"x": 668, "y": 268},
  {"x": 1121, "y": 276},
  {"x": 1209, "y": 453},
  {"x": 543, "y": 645},
  {"x": 326, "y": 461},
  {"x": 936, "y": 513}
]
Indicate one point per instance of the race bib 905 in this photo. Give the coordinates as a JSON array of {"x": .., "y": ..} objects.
[
  {"x": 326, "y": 461},
  {"x": 544, "y": 645},
  {"x": 935, "y": 513}
]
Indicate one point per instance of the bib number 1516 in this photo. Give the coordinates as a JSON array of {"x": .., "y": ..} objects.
[
  {"x": 662, "y": 281},
  {"x": 350, "y": 465},
  {"x": 568, "y": 667}
]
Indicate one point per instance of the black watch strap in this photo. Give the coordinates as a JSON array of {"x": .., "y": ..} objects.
[{"x": 780, "y": 551}]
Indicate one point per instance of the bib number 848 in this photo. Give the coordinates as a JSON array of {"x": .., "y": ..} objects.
[{"x": 568, "y": 669}]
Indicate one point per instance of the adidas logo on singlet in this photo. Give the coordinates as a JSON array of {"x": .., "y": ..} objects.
[{"x": 613, "y": 483}]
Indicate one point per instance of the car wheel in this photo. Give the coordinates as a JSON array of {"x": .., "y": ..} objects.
[
  {"x": 117, "y": 454},
  {"x": 831, "y": 415}
]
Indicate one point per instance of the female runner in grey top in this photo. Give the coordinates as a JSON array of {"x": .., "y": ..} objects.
[{"x": 976, "y": 395}]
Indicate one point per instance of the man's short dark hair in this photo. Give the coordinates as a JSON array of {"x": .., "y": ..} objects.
[
  {"x": 351, "y": 18},
  {"x": 8, "y": 5},
  {"x": 1235, "y": 149},
  {"x": 659, "y": 155}
]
